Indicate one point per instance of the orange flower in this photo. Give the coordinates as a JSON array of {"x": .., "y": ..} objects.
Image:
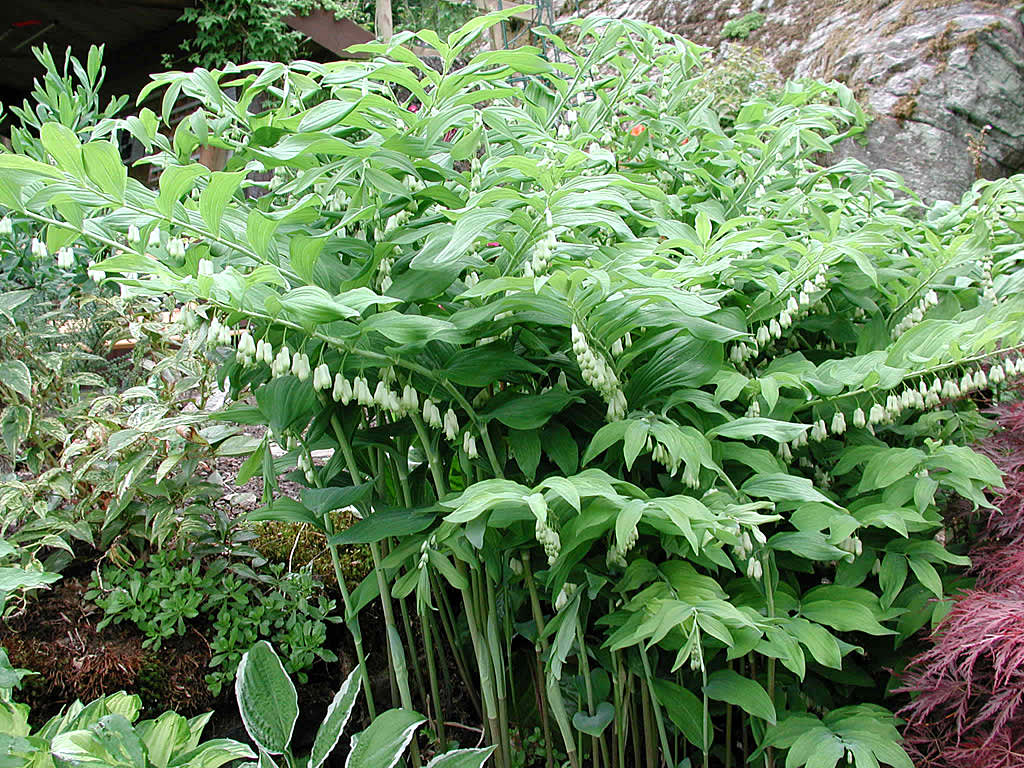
[{"x": 637, "y": 129}]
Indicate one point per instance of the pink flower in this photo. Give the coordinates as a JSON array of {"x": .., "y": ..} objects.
[{"x": 493, "y": 245}]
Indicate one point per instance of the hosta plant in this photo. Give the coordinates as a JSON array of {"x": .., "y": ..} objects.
[
  {"x": 650, "y": 420},
  {"x": 269, "y": 706},
  {"x": 105, "y": 733}
]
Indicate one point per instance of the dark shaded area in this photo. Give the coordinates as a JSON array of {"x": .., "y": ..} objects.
[{"x": 136, "y": 34}]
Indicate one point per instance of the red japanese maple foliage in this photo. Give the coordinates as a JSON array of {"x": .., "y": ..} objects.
[{"x": 968, "y": 688}]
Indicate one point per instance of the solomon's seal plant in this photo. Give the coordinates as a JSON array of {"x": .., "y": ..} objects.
[{"x": 628, "y": 407}]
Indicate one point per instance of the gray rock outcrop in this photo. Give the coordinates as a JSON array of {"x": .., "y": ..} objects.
[{"x": 943, "y": 81}]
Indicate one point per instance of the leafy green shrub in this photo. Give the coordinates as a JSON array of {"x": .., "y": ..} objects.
[
  {"x": 168, "y": 591},
  {"x": 104, "y": 733},
  {"x": 20, "y": 573},
  {"x": 662, "y": 412},
  {"x": 743, "y": 26},
  {"x": 96, "y": 448}
]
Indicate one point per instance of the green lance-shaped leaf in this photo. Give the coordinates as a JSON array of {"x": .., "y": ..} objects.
[
  {"x": 338, "y": 713},
  {"x": 731, "y": 687},
  {"x": 684, "y": 709},
  {"x": 214, "y": 199},
  {"x": 462, "y": 758},
  {"x": 104, "y": 167},
  {"x": 384, "y": 742},
  {"x": 213, "y": 754},
  {"x": 175, "y": 181},
  {"x": 266, "y": 698},
  {"x": 15, "y": 375}
]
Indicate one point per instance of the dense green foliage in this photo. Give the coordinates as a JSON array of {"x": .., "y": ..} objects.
[
  {"x": 171, "y": 588},
  {"x": 254, "y": 30},
  {"x": 661, "y": 410},
  {"x": 105, "y": 733}
]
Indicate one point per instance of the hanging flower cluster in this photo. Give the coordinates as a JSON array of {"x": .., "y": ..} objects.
[
  {"x": 38, "y": 248},
  {"x": 988, "y": 291},
  {"x": 598, "y": 374},
  {"x": 922, "y": 396},
  {"x": 796, "y": 306},
  {"x": 916, "y": 315}
]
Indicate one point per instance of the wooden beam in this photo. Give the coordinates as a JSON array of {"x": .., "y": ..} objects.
[
  {"x": 384, "y": 25},
  {"x": 333, "y": 34}
]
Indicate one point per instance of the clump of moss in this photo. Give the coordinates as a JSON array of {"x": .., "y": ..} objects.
[
  {"x": 151, "y": 685},
  {"x": 904, "y": 108},
  {"x": 743, "y": 26},
  {"x": 300, "y": 544}
]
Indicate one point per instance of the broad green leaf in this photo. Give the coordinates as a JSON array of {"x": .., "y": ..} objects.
[
  {"x": 731, "y": 687},
  {"x": 462, "y": 758},
  {"x": 384, "y": 523},
  {"x": 684, "y": 709},
  {"x": 531, "y": 411},
  {"x": 266, "y": 698},
  {"x": 214, "y": 199},
  {"x": 175, "y": 181},
  {"x": 15, "y": 375},
  {"x": 747, "y": 427},
  {"x": 384, "y": 742},
  {"x": 323, "y": 500},
  {"x": 594, "y": 725},
  {"x": 782, "y": 487},
  {"x": 104, "y": 167},
  {"x": 63, "y": 145}
]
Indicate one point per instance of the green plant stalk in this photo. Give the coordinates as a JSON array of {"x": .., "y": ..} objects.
[
  {"x": 351, "y": 618},
  {"x": 538, "y": 620},
  {"x": 705, "y": 717},
  {"x": 769, "y": 585},
  {"x": 634, "y": 715},
  {"x": 397, "y": 657},
  {"x": 662, "y": 735},
  {"x": 728, "y": 732},
  {"x": 435, "y": 690},
  {"x": 433, "y": 462},
  {"x": 448, "y": 625},
  {"x": 562, "y": 719},
  {"x": 498, "y": 662},
  {"x": 650, "y": 747},
  {"x": 596, "y": 744},
  {"x": 410, "y": 642},
  {"x": 618, "y": 689},
  {"x": 394, "y": 644},
  {"x": 483, "y": 660}
]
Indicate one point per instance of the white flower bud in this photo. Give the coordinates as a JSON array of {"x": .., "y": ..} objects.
[
  {"x": 838, "y": 423},
  {"x": 154, "y": 236},
  {"x": 858, "y": 418},
  {"x": 877, "y": 414},
  {"x": 133, "y": 234},
  {"x": 300, "y": 366},
  {"x": 451, "y": 424},
  {"x": 6, "y": 226}
]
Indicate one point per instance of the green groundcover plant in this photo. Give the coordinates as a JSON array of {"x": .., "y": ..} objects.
[{"x": 650, "y": 420}]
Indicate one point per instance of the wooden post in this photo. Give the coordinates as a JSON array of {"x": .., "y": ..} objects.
[{"x": 383, "y": 23}]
